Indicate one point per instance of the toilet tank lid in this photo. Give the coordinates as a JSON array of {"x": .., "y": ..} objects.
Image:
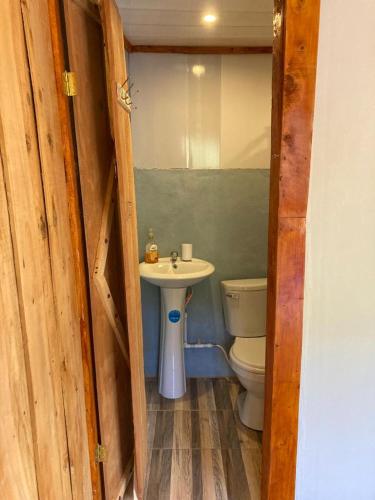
[{"x": 247, "y": 284}]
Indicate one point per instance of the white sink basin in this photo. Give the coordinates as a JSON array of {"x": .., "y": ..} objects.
[{"x": 185, "y": 274}]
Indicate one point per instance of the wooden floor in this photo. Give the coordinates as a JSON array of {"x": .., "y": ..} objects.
[{"x": 198, "y": 448}]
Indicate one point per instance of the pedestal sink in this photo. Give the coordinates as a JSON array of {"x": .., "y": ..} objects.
[{"x": 173, "y": 279}]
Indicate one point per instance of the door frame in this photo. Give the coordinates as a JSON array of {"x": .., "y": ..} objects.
[{"x": 296, "y": 29}]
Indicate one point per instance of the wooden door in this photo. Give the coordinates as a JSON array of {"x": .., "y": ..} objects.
[
  {"x": 111, "y": 260},
  {"x": 117, "y": 79}
]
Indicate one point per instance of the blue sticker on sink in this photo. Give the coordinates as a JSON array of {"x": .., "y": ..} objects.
[{"x": 174, "y": 316}]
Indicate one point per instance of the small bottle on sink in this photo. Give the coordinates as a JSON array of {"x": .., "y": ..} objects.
[{"x": 151, "y": 253}]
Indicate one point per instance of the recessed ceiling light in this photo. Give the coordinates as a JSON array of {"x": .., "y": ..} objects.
[{"x": 209, "y": 18}]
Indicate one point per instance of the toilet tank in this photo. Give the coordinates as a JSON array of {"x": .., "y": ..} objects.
[{"x": 245, "y": 303}]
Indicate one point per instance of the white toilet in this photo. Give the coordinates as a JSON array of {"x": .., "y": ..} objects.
[{"x": 245, "y": 303}]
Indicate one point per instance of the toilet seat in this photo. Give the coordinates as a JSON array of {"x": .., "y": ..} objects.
[{"x": 249, "y": 353}]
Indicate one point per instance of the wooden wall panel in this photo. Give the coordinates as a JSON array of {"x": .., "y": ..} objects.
[
  {"x": 16, "y": 443},
  {"x": 295, "y": 50},
  {"x": 95, "y": 157},
  {"x": 120, "y": 121},
  {"x": 39, "y": 50},
  {"x": 44, "y": 446},
  {"x": 19, "y": 151}
]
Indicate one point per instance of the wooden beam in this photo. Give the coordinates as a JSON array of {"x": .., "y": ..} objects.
[
  {"x": 294, "y": 66},
  {"x": 101, "y": 263},
  {"x": 128, "y": 46},
  {"x": 185, "y": 49}
]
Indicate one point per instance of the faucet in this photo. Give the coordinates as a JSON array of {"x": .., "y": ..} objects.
[{"x": 174, "y": 256}]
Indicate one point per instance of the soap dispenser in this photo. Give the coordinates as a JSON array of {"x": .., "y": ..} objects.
[{"x": 151, "y": 253}]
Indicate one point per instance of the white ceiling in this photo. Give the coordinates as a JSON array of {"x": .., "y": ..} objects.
[{"x": 178, "y": 22}]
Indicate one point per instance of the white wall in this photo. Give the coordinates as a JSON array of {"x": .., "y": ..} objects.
[
  {"x": 336, "y": 450},
  {"x": 201, "y": 111},
  {"x": 246, "y": 97}
]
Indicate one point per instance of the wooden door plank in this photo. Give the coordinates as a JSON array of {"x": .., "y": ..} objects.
[
  {"x": 19, "y": 151},
  {"x": 295, "y": 50},
  {"x": 16, "y": 442},
  {"x": 39, "y": 49},
  {"x": 77, "y": 241},
  {"x": 116, "y": 74},
  {"x": 95, "y": 154}
]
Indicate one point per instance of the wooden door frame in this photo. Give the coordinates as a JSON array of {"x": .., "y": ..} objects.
[{"x": 296, "y": 29}]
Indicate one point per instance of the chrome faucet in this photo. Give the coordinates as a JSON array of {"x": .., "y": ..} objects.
[{"x": 174, "y": 256}]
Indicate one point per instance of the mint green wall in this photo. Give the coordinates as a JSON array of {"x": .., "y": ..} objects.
[{"x": 224, "y": 214}]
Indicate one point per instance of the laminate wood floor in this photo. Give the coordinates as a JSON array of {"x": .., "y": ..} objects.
[{"x": 198, "y": 448}]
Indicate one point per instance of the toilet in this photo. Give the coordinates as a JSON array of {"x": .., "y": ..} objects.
[{"x": 245, "y": 303}]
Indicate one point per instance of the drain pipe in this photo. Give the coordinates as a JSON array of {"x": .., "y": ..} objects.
[{"x": 199, "y": 345}]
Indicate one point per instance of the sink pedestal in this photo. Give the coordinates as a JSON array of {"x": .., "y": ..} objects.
[
  {"x": 173, "y": 278},
  {"x": 172, "y": 381}
]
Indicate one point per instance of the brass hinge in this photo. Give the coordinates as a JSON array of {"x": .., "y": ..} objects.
[
  {"x": 100, "y": 453},
  {"x": 69, "y": 83}
]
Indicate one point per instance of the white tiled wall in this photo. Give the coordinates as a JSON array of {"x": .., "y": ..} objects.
[{"x": 201, "y": 111}]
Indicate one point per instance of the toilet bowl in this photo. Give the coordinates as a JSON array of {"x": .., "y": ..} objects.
[
  {"x": 247, "y": 359},
  {"x": 244, "y": 304}
]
